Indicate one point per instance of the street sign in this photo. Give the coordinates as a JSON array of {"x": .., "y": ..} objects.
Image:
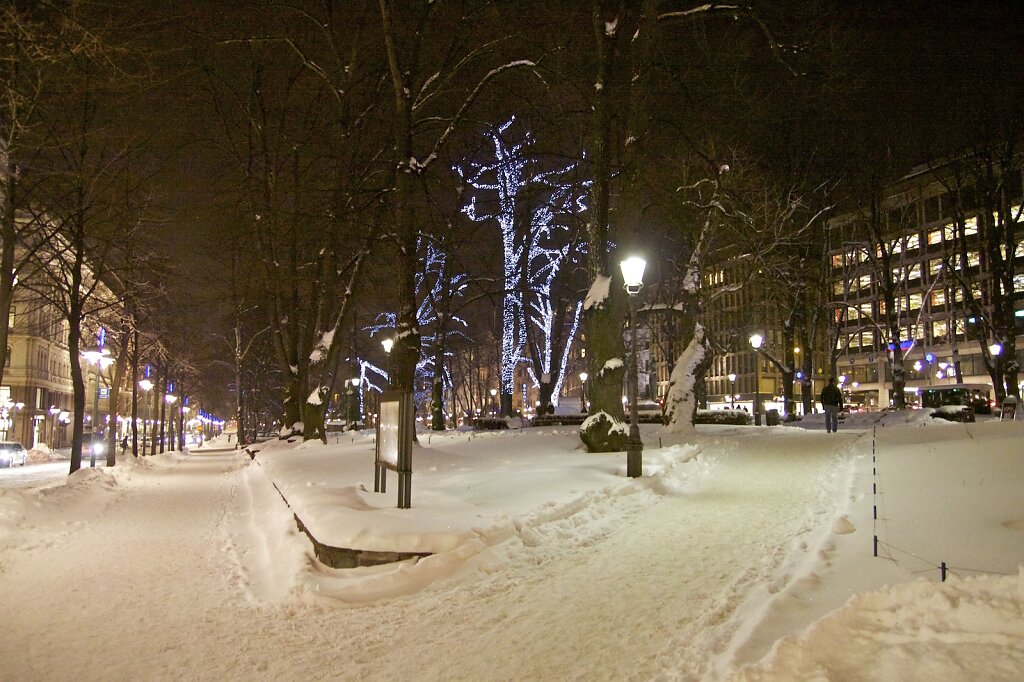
[{"x": 395, "y": 429}]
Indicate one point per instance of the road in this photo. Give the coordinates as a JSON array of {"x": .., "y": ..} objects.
[{"x": 32, "y": 475}]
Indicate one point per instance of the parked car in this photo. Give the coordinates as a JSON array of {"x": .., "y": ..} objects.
[{"x": 12, "y": 453}]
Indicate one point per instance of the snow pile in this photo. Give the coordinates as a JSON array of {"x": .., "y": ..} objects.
[{"x": 959, "y": 630}]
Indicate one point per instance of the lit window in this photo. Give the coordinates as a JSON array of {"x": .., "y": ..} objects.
[
  {"x": 934, "y": 266},
  {"x": 913, "y": 241},
  {"x": 915, "y": 301},
  {"x": 914, "y": 271},
  {"x": 938, "y": 297},
  {"x": 972, "y": 259},
  {"x": 935, "y": 237},
  {"x": 971, "y": 226}
]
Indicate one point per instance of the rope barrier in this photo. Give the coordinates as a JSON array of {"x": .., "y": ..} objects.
[{"x": 943, "y": 568}]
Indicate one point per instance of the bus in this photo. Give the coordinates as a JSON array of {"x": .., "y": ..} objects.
[{"x": 978, "y": 396}]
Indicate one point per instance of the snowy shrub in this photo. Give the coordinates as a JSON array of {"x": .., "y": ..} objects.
[
  {"x": 735, "y": 417},
  {"x": 601, "y": 433}
]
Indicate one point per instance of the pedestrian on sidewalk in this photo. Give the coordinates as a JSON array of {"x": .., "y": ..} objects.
[{"x": 832, "y": 403}]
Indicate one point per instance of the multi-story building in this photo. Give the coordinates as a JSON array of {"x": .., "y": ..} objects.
[
  {"x": 925, "y": 234},
  {"x": 942, "y": 278},
  {"x": 36, "y": 396}
]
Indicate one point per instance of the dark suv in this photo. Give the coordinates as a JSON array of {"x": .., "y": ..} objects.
[{"x": 12, "y": 453}]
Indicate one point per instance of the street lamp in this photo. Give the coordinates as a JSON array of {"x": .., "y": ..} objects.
[
  {"x": 494, "y": 395},
  {"x": 996, "y": 349},
  {"x": 101, "y": 359},
  {"x": 633, "y": 281},
  {"x": 583, "y": 392},
  {"x": 756, "y": 340},
  {"x": 170, "y": 399},
  {"x": 146, "y": 386},
  {"x": 353, "y": 402},
  {"x": 388, "y": 344},
  {"x": 54, "y": 411},
  {"x": 732, "y": 396}
]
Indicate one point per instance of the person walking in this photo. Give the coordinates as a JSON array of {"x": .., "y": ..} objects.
[{"x": 831, "y": 402}]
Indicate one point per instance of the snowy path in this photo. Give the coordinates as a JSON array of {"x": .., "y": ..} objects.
[
  {"x": 653, "y": 596},
  {"x": 152, "y": 585},
  {"x": 117, "y": 581}
]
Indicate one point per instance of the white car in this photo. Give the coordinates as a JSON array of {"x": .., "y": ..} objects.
[{"x": 12, "y": 453}]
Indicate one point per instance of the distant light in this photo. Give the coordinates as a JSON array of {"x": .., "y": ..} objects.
[
  {"x": 996, "y": 349},
  {"x": 388, "y": 344},
  {"x": 756, "y": 340},
  {"x": 583, "y": 376}
]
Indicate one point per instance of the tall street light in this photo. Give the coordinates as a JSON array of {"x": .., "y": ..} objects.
[
  {"x": 170, "y": 399},
  {"x": 583, "y": 392},
  {"x": 54, "y": 411},
  {"x": 633, "y": 281},
  {"x": 353, "y": 403},
  {"x": 388, "y": 344},
  {"x": 494, "y": 405},
  {"x": 732, "y": 396},
  {"x": 100, "y": 359},
  {"x": 145, "y": 386},
  {"x": 756, "y": 340}
]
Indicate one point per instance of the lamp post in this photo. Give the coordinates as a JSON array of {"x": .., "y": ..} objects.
[
  {"x": 100, "y": 359},
  {"x": 170, "y": 399},
  {"x": 54, "y": 411},
  {"x": 494, "y": 396},
  {"x": 633, "y": 280},
  {"x": 146, "y": 386},
  {"x": 756, "y": 340},
  {"x": 388, "y": 344},
  {"x": 732, "y": 396},
  {"x": 353, "y": 402},
  {"x": 583, "y": 392}
]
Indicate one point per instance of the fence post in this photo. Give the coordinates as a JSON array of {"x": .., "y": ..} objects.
[
  {"x": 942, "y": 570},
  {"x": 876, "y": 545}
]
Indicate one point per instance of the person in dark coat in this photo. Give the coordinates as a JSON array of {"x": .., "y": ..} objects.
[{"x": 832, "y": 403}]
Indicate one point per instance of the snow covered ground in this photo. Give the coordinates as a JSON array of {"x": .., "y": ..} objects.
[{"x": 744, "y": 554}]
